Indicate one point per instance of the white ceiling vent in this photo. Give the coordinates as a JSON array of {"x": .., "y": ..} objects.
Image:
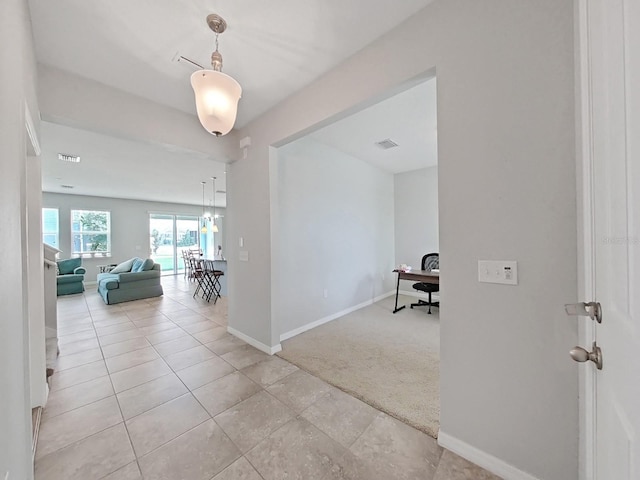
[
  {"x": 68, "y": 158},
  {"x": 386, "y": 144},
  {"x": 67, "y": 186}
]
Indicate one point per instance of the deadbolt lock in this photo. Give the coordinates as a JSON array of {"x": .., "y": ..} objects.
[{"x": 592, "y": 310}]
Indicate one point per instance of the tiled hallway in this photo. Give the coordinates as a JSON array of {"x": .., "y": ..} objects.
[{"x": 157, "y": 389}]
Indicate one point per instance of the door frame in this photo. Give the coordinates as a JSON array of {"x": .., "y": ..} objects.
[{"x": 586, "y": 236}]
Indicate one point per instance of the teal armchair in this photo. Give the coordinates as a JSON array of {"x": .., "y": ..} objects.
[{"x": 70, "y": 277}]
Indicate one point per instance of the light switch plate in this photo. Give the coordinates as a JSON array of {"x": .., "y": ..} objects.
[
  {"x": 498, "y": 271},
  {"x": 243, "y": 256}
]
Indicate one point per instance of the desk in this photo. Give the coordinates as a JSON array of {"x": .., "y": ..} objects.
[{"x": 426, "y": 276}]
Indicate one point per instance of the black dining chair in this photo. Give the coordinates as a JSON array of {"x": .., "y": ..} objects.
[
  {"x": 430, "y": 261},
  {"x": 198, "y": 274},
  {"x": 213, "y": 281}
]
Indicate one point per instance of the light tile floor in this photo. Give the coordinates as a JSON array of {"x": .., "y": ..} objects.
[{"x": 156, "y": 389}]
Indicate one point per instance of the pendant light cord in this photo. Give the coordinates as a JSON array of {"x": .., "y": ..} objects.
[
  {"x": 203, "y": 183},
  {"x": 214, "y": 199}
]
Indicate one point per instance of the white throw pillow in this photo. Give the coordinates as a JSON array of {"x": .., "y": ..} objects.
[{"x": 124, "y": 266}]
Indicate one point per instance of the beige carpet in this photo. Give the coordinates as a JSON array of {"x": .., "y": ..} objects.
[{"x": 389, "y": 361}]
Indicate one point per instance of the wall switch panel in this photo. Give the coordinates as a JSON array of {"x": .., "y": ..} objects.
[
  {"x": 243, "y": 256},
  {"x": 498, "y": 271}
]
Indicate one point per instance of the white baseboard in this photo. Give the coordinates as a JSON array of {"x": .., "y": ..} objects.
[
  {"x": 482, "y": 459},
  {"x": 333, "y": 316},
  {"x": 254, "y": 343}
]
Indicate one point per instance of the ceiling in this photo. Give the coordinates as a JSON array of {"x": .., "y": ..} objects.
[
  {"x": 273, "y": 49},
  {"x": 154, "y": 172},
  {"x": 408, "y": 119}
]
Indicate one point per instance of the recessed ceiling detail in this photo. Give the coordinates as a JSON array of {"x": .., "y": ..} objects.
[{"x": 386, "y": 144}]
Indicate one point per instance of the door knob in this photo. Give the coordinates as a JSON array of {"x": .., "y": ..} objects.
[{"x": 579, "y": 354}]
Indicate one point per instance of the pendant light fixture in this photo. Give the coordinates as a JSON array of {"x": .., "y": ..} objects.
[
  {"x": 203, "y": 230},
  {"x": 214, "y": 227},
  {"x": 217, "y": 94}
]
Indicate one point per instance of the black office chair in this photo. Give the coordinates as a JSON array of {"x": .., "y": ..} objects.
[{"x": 429, "y": 262}]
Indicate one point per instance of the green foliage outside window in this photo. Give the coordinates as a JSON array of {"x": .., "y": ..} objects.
[
  {"x": 91, "y": 231},
  {"x": 156, "y": 240}
]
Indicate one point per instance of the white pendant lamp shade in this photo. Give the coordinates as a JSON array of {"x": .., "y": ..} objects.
[{"x": 217, "y": 95}]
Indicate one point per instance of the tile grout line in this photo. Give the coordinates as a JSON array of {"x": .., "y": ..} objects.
[
  {"x": 211, "y": 417},
  {"x": 189, "y": 391},
  {"x": 124, "y": 423},
  {"x": 133, "y": 366},
  {"x": 109, "y": 374},
  {"x": 120, "y": 410}
]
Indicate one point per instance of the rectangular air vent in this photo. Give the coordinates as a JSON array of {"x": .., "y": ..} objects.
[
  {"x": 386, "y": 144},
  {"x": 68, "y": 158},
  {"x": 67, "y": 186}
]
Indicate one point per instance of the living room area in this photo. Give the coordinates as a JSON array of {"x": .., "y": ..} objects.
[{"x": 157, "y": 388}]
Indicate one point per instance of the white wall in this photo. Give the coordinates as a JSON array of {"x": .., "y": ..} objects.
[
  {"x": 129, "y": 225},
  {"x": 335, "y": 233},
  {"x": 416, "y": 215},
  {"x": 16, "y": 87},
  {"x": 506, "y": 191},
  {"x": 75, "y": 101},
  {"x": 37, "y": 334}
]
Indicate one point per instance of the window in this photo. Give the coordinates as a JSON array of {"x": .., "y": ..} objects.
[
  {"x": 90, "y": 232},
  {"x": 50, "y": 227}
]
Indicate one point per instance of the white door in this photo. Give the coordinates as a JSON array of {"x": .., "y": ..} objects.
[{"x": 610, "y": 67}]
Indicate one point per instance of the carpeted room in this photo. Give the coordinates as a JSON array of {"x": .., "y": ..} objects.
[
  {"x": 388, "y": 361},
  {"x": 347, "y": 220}
]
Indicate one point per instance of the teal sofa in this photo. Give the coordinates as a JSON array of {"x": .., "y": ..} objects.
[
  {"x": 70, "y": 277},
  {"x": 131, "y": 280}
]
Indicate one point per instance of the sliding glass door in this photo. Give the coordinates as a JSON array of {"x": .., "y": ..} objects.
[
  {"x": 187, "y": 228},
  {"x": 168, "y": 236}
]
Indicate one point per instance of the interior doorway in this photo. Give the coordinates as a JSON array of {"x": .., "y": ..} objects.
[{"x": 353, "y": 200}]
